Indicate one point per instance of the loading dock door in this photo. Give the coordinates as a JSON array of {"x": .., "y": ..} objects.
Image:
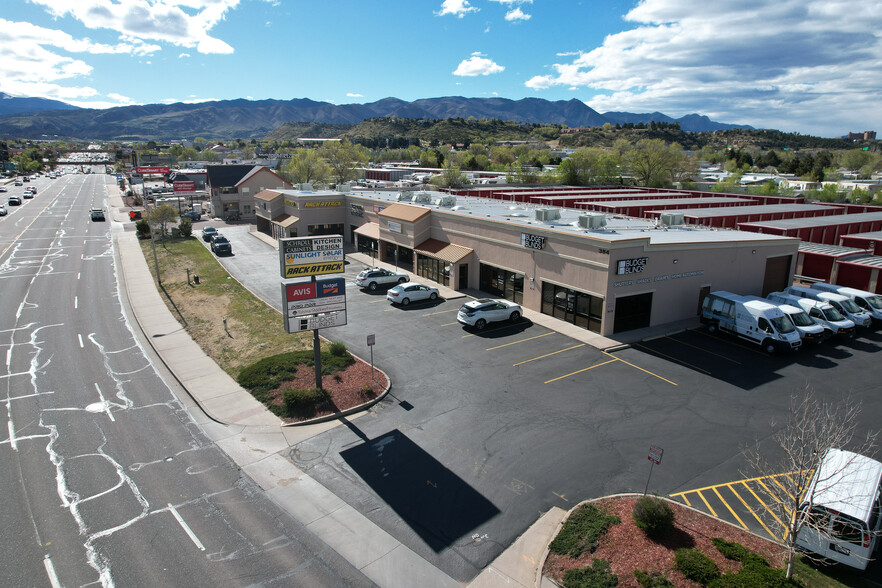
[
  {"x": 777, "y": 274},
  {"x": 632, "y": 312}
]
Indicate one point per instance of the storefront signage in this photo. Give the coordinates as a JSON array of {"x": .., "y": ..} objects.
[
  {"x": 631, "y": 266},
  {"x": 532, "y": 241},
  {"x": 291, "y": 203},
  {"x": 305, "y": 301},
  {"x": 603, "y": 251},
  {"x": 394, "y": 227},
  {"x": 260, "y": 155},
  {"x": 184, "y": 187},
  {"x": 151, "y": 170},
  {"x": 310, "y": 256},
  {"x": 316, "y": 321},
  {"x": 356, "y": 210},
  {"x": 322, "y": 204},
  {"x": 663, "y": 278}
]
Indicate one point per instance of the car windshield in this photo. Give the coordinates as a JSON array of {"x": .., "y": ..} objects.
[
  {"x": 832, "y": 314},
  {"x": 782, "y": 325},
  {"x": 850, "y": 306},
  {"x": 801, "y": 319},
  {"x": 220, "y": 239}
]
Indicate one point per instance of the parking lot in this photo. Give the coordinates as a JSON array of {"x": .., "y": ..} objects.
[{"x": 484, "y": 431}]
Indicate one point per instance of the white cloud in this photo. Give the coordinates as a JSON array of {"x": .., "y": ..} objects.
[
  {"x": 352, "y": 95},
  {"x": 513, "y": 2},
  {"x": 182, "y": 55},
  {"x": 789, "y": 65},
  {"x": 183, "y": 23},
  {"x": 517, "y": 15},
  {"x": 457, "y": 8},
  {"x": 477, "y": 65}
]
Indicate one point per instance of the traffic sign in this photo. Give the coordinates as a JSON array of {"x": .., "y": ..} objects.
[
  {"x": 655, "y": 454},
  {"x": 371, "y": 339}
]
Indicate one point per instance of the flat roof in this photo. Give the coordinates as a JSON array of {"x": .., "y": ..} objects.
[
  {"x": 523, "y": 215},
  {"x": 867, "y": 235},
  {"x": 808, "y": 247},
  {"x": 817, "y": 221},
  {"x": 742, "y": 210},
  {"x": 668, "y": 201}
]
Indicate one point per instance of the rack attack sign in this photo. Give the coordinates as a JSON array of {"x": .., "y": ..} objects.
[{"x": 310, "y": 256}]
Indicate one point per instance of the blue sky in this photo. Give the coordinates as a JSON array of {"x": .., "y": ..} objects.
[{"x": 809, "y": 66}]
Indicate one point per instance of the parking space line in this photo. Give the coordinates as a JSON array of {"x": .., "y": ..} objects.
[
  {"x": 707, "y": 504},
  {"x": 733, "y": 342},
  {"x": 726, "y": 504},
  {"x": 579, "y": 372},
  {"x": 750, "y": 510},
  {"x": 442, "y": 311},
  {"x": 672, "y": 358},
  {"x": 448, "y": 324},
  {"x": 720, "y": 355},
  {"x": 485, "y": 331},
  {"x": 521, "y": 341},
  {"x": 639, "y": 368},
  {"x": 548, "y": 354},
  {"x": 765, "y": 506}
]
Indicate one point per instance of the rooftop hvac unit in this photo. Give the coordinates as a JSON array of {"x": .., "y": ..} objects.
[
  {"x": 547, "y": 214},
  {"x": 447, "y": 201},
  {"x": 423, "y": 197},
  {"x": 592, "y": 221},
  {"x": 304, "y": 187},
  {"x": 670, "y": 219},
  {"x": 404, "y": 196}
]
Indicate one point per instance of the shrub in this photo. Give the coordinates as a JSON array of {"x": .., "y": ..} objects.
[
  {"x": 597, "y": 576},
  {"x": 142, "y": 227},
  {"x": 654, "y": 515},
  {"x": 299, "y": 398},
  {"x": 696, "y": 566},
  {"x": 269, "y": 372},
  {"x": 367, "y": 390},
  {"x": 337, "y": 349},
  {"x": 737, "y": 552},
  {"x": 653, "y": 580},
  {"x": 582, "y": 531},
  {"x": 755, "y": 575},
  {"x": 185, "y": 227}
]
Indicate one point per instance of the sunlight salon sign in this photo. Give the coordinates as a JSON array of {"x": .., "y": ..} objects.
[{"x": 310, "y": 256}]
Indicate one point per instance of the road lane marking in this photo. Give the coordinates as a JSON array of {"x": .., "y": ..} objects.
[
  {"x": 105, "y": 403},
  {"x": 639, "y": 368},
  {"x": 50, "y": 571},
  {"x": 750, "y": 510},
  {"x": 521, "y": 341},
  {"x": 80, "y": 337},
  {"x": 765, "y": 506},
  {"x": 76, "y": 302},
  {"x": 548, "y": 354},
  {"x": 707, "y": 504},
  {"x": 448, "y": 324},
  {"x": 580, "y": 371},
  {"x": 672, "y": 358},
  {"x": 726, "y": 504},
  {"x": 186, "y": 528}
]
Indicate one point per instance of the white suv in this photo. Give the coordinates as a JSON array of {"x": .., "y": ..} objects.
[
  {"x": 478, "y": 313},
  {"x": 371, "y": 278}
]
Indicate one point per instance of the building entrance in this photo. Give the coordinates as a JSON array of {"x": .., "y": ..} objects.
[
  {"x": 633, "y": 312},
  {"x": 503, "y": 283}
]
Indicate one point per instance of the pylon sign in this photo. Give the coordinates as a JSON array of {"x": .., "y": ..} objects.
[{"x": 310, "y": 256}]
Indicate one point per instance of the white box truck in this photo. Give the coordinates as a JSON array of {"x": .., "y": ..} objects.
[
  {"x": 809, "y": 331},
  {"x": 756, "y": 321},
  {"x": 840, "y": 515},
  {"x": 872, "y": 303},
  {"x": 845, "y": 306},
  {"x": 822, "y": 313}
]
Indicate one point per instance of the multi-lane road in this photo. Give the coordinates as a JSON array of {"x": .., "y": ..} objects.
[{"x": 106, "y": 478}]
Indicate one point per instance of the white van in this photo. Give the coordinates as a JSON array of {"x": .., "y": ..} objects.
[
  {"x": 844, "y": 305},
  {"x": 872, "y": 303},
  {"x": 809, "y": 331},
  {"x": 840, "y": 513},
  {"x": 822, "y": 313},
  {"x": 757, "y": 321}
]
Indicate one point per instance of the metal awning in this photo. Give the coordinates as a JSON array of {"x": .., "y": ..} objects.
[
  {"x": 444, "y": 251},
  {"x": 369, "y": 230}
]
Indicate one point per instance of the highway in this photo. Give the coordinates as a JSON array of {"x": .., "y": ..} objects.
[{"x": 107, "y": 478}]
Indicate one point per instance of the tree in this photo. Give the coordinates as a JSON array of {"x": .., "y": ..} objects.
[
  {"x": 186, "y": 227},
  {"x": 162, "y": 216},
  {"x": 306, "y": 167},
  {"x": 652, "y": 162},
  {"x": 811, "y": 427},
  {"x": 344, "y": 159},
  {"x": 451, "y": 177}
]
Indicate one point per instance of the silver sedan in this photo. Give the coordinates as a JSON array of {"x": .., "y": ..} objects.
[{"x": 408, "y": 292}]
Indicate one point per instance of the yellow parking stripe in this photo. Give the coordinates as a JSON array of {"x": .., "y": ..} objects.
[
  {"x": 686, "y": 500},
  {"x": 448, "y": 324},
  {"x": 639, "y": 368},
  {"x": 726, "y": 504},
  {"x": 750, "y": 510},
  {"x": 442, "y": 312},
  {"x": 579, "y": 372},
  {"x": 672, "y": 358},
  {"x": 548, "y": 354},
  {"x": 720, "y": 355},
  {"x": 485, "y": 331},
  {"x": 765, "y": 506},
  {"x": 707, "y": 504},
  {"x": 521, "y": 341}
]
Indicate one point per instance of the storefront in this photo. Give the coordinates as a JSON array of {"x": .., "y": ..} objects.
[
  {"x": 503, "y": 283},
  {"x": 580, "y": 308}
]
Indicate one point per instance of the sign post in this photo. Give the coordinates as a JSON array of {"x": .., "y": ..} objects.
[
  {"x": 655, "y": 456},
  {"x": 371, "y": 339}
]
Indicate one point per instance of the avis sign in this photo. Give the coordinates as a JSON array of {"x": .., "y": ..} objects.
[
  {"x": 321, "y": 303},
  {"x": 310, "y": 256}
]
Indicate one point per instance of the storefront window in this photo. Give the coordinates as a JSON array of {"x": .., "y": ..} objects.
[
  {"x": 572, "y": 306},
  {"x": 433, "y": 269},
  {"x": 502, "y": 283},
  {"x": 332, "y": 229}
]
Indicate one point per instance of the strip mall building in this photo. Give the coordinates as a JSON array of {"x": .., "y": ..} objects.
[{"x": 605, "y": 273}]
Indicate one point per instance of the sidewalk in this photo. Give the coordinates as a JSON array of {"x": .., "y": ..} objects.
[{"x": 256, "y": 439}]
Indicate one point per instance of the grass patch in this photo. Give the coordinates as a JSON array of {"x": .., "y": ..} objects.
[
  {"x": 818, "y": 576},
  {"x": 582, "y": 531}
]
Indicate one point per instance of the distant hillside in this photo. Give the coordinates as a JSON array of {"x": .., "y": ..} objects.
[
  {"x": 693, "y": 123},
  {"x": 18, "y": 105},
  {"x": 249, "y": 119}
]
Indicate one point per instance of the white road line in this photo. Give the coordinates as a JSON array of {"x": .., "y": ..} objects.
[
  {"x": 78, "y": 275},
  {"x": 104, "y": 402},
  {"x": 50, "y": 571},
  {"x": 80, "y": 337},
  {"x": 76, "y": 302},
  {"x": 11, "y": 429},
  {"x": 186, "y": 528}
]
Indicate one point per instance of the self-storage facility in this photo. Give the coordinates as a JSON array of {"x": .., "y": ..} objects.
[{"x": 604, "y": 274}]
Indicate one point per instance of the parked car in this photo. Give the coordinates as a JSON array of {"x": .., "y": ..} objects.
[
  {"x": 371, "y": 278},
  {"x": 2, "y": 210},
  {"x": 221, "y": 245},
  {"x": 192, "y": 215},
  {"x": 14, "y": 200},
  {"x": 97, "y": 214},
  {"x": 208, "y": 233},
  {"x": 478, "y": 313},
  {"x": 408, "y": 292}
]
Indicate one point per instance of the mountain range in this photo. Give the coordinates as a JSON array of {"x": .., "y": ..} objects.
[{"x": 249, "y": 119}]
